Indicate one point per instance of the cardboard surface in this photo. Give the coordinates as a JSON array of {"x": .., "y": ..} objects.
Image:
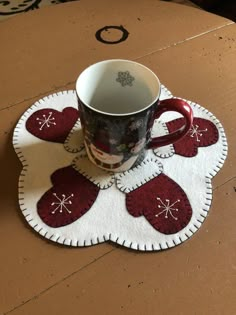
[
  {"x": 47, "y": 53},
  {"x": 13, "y": 7},
  {"x": 193, "y": 53}
]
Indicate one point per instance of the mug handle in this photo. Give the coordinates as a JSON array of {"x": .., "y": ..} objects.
[{"x": 176, "y": 105}]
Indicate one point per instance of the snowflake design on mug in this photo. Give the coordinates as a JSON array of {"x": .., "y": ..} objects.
[
  {"x": 125, "y": 78},
  {"x": 136, "y": 125}
]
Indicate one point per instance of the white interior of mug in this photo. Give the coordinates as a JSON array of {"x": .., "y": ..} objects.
[{"x": 118, "y": 87}]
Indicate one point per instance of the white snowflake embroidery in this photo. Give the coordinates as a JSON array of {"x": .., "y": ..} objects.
[
  {"x": 62, "y": 203},
  {"x": 167, "y": 208},
  {"x": 125, "y": 78},
  {"x": 195, "y": 132},
  {"x": 113, "y": 141},
  {"x": 136, "y": 124},
  {"x": 46, "y": 121}
]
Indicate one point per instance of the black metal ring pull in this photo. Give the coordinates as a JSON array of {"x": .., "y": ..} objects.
[{"x": 100, "y": 38}]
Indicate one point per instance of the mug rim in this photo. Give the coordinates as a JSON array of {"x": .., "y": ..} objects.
[{"x": 116, "y": 114}]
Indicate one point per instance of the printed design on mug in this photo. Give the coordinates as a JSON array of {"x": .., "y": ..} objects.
[
  {"x": 115, "y": 144},
  {"x": 102, "y": 157},
  {"x": 125, "y": 78},
  {"x": 102, "y": 147}
]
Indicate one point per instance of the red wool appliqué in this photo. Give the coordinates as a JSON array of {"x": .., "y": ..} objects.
[
  {"x": 71, "y": 196},
  {"x": 203, "y": 133},
  {"x": 51, "y": 125},
  {"x": 163, "y": 203}
]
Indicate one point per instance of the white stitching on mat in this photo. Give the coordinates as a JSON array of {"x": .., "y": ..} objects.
[
  {"x": 121, "y": 175},
  {"x": 172, "y": 149},
  {"x": 103, "y": 187},
  {"x": 65, "y": 144}
]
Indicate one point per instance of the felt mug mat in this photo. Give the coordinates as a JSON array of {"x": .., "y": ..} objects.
[{"x": 156, "y": 205}]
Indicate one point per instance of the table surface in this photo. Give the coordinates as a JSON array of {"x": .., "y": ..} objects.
[{"x": 193, "y": 52}]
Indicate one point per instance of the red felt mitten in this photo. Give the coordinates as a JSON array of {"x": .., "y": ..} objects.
[
  {"x": 163, "y": 203},
  {"x": 51, "y": 125},
  {"x": 71, "y": 196},
  {"x": 202, "y": 134}
]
